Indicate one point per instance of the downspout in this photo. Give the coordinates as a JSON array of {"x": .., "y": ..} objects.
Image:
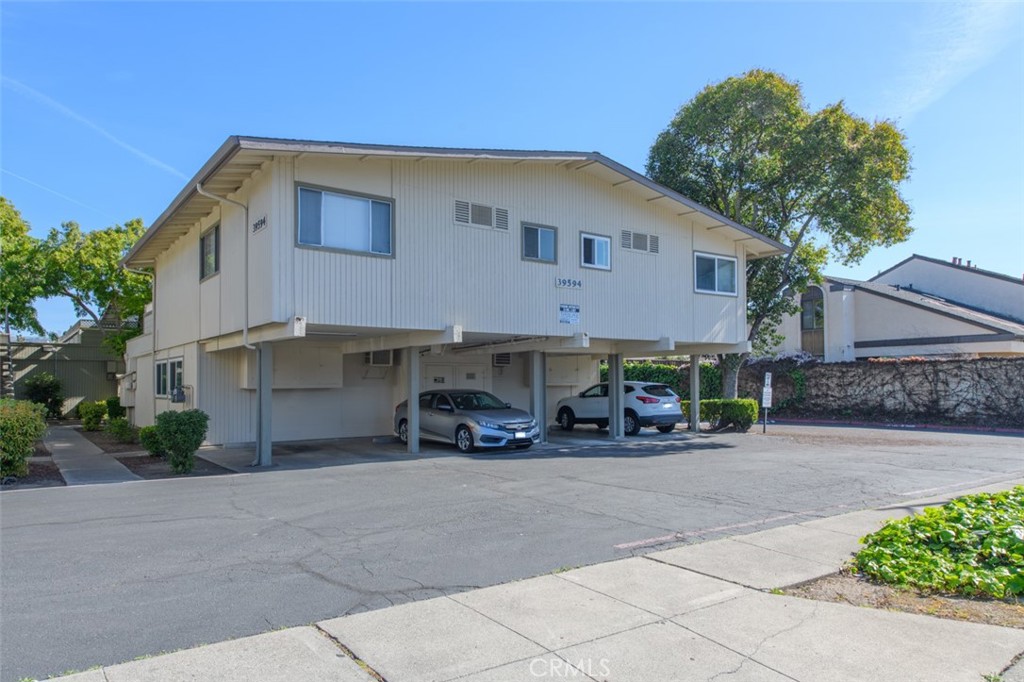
[{"x": 245, "y": 226}]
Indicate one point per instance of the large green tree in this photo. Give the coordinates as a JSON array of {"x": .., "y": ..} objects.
[
  {"x": 20, "y": 283},
  {"x": 826, "y": 183},
  {"x": 84, "y": 267}
]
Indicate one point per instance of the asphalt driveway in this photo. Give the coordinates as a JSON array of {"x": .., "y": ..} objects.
[{"x": 103, "y": 574}]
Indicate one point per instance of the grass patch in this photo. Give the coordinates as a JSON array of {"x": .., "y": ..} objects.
[{"x": 972, "y": 546}]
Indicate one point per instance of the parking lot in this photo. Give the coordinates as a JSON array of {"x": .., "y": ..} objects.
[{"x": 102, "y": 574}]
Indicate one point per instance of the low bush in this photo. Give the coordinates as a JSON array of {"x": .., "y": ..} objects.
[
  {"x": 92, "y": 414},
  {"x": 150, "y": 440},
  {"x": 122, "y": 430},
  {"x": 46, "y": 389},
  {"x": 181, "y": 434},
  {"x": 114, "y": 409},
  {"x": 22, "y": 423},
  {"x": 971, "y": 546},
  {"x": 740, "y": 413}
]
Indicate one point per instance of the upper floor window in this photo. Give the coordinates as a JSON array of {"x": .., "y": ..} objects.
[
  {"x": 539, "y": 243},
  {"x": 812, "y": 309},
  {"x": 595, "y": 251},
  {"x": 209, "y": 252},
  {"x": 715, "y": 274},
  {"x": 344, "y": 221}
]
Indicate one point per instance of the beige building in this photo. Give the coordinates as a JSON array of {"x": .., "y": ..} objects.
[
  {"x": 920, "y": 307},
  {"x": 303, "y": 289}
]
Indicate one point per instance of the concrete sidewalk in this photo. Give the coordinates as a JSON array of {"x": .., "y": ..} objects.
[
  {"x": 80, "y": 462},
  {"x": 695, "y": 612}
]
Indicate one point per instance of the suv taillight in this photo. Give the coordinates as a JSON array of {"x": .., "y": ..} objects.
[{"x": 647, "y": 400}]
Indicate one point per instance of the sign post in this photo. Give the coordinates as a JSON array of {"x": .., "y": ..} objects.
[{"x": 766, "y": 399}]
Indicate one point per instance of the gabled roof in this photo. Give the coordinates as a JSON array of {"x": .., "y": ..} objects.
[
  {"x": 239, "y": 157},
  {"x": 935, "y": 304},
  {"x": 955, "y": 266}
]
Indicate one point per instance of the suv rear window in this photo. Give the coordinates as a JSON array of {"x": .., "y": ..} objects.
[{"x": 660, "y": 390}]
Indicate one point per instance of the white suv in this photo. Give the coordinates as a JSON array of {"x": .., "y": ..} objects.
[{"x": 646, "y": 404}]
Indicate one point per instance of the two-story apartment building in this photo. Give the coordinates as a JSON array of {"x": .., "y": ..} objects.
[{"x": 305, "y": 288}]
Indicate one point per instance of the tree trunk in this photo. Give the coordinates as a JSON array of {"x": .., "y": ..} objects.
[{"x": 730, "y": 364}]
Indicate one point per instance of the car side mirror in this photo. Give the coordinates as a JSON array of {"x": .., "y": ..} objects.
[{"x": 508, "y": 404}]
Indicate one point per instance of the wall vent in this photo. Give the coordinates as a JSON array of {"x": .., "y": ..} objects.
[
  {"x": 501, "y": 359},
  {"x": 480, "y": 215},
  {"x": 640, "y": 241}
]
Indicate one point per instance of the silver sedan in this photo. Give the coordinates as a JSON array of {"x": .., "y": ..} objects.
[{"x": 470, "y": 419}]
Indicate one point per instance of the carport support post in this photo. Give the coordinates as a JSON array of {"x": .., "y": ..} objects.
[
  {"x": 265, "y": 407},
  {"x": 413, "y": 367},
  {"x": 694, "y": 416},
  {"x": 538, "y": 391},
  {"x": 616, "y": 387}
]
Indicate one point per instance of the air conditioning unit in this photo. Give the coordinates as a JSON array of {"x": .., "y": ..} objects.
[
  {"x": 382, "y": 358},
  {"x": 501, "y": 360}
]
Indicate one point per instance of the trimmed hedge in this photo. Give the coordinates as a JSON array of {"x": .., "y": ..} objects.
[
  {"x": 46, "y": 389},
  {"x": 181, "y": 434},
  {"x": 150, "y": 440},
  {"x": 740, "y": 413},
  {"x": 678, "y": 377},
  {"x": 114, "y": 409},
  {"x": 22, "y": 423},
  {"x": 92, "y": 414}
]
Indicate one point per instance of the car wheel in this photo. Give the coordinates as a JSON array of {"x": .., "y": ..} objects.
[
  {"x": 464, "y": 439},
  {"x": 403, "y": 431},
  {"x": 667, "y": 428},
  {"x": 602, "y": 425},
  {"x": 631, "y": 424},
  {"x": 566, "y": 419}
]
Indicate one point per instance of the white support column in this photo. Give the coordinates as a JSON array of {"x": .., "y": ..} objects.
[
  {"x": 265, "y": 405},
  {"x": 695, "y": 393},
  {"x": 616, "y": 387},
  {"x": 539, "y": 391},
  {"x": 413, "y": 383}
]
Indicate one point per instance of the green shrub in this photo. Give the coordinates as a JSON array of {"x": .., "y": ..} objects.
[
  {"x": 122, "y": 430},
  {"x": 973, "y": 545},
  {"x": 114, "y": 409},
  {"x": 92, "y": 414},
  {"x": 45, "y": 389},
  {"x": 22, "y": 423},
  {"x": 150, "y": 440},
  {"x": 739, "y": 413},
  {"x": 181, "y": 434}
]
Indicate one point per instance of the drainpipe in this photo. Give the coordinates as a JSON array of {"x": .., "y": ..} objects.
[{"x": 245, "y": 226}]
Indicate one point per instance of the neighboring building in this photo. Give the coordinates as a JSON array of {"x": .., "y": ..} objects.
[
  {"x": 87, "y": 369},
  {"x": 364, "y": 273},
  {"x": 921, "y": 306}
]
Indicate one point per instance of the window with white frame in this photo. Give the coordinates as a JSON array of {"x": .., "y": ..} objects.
[
  {"x": 170, "y": 375},
  {"x": 714, "y": 274},
  {"x": 595, "y": 251},
  {"x": 209, "y": 252},
  {"x": 345, "y": 221},
  {"x": 540, "y": 243}
]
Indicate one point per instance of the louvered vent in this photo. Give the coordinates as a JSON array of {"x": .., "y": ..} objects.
[
  {"x": 462, "y": 211},
  {"x": 501, "y": 218},
  {"x": 501, "y": 359},
  {"x": 639, "y": 241},
  {"x": 653, "y": 245},
  {"x": 627, "y": 239},
  {"x": 480, "y": 215}
]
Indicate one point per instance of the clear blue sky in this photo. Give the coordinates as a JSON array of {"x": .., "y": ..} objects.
[{"x": 107, "y": 108}]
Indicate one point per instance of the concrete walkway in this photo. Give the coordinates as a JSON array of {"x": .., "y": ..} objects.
[
  {"x": 695, "y": 612},
  {"x": 80, "y": 462}
]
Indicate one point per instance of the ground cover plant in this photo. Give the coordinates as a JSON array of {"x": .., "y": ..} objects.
[{"x": 972, "y": 546}]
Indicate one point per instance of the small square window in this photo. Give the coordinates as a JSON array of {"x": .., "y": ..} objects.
[
  {"x": 539, "y": 243},
  {"x": 595, "y": 251},
  {"x": 209, "y": 252},
  {"x": 714, "y": 274}
]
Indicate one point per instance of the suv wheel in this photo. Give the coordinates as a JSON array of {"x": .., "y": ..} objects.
[
  {"x": 566, "y": 419},
  {"x": 403, "y": 431},
  {"x": 631, "y": 424}
]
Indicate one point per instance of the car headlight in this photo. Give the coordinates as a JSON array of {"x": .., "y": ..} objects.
[
  {"x": 533, "y": 423},
  {"x": 487, "y": 424}
]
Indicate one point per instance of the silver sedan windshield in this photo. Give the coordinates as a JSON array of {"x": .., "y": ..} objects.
[{"x": 476, "y": 400}]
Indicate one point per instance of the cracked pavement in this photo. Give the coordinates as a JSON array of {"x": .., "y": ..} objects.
[{"x": 103, "y": 574}]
